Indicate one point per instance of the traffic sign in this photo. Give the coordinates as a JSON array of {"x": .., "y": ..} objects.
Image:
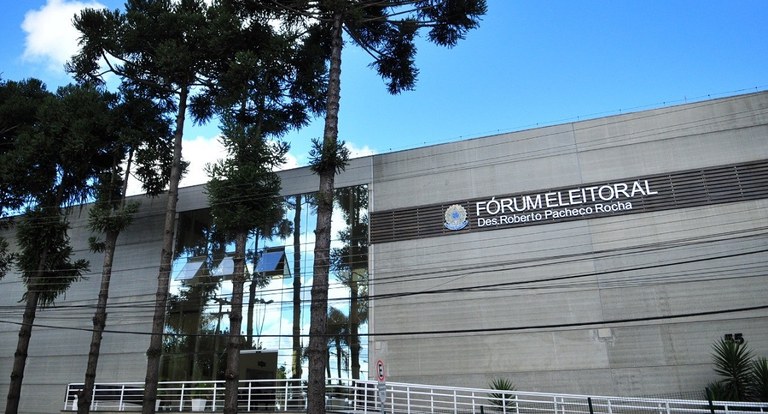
[{"x": 380, "y": 373}]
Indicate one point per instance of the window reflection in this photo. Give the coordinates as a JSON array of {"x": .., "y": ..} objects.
[{"x": 277, "y": 293}]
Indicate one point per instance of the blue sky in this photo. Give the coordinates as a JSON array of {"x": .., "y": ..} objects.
[{"x": 530, "y": 63}]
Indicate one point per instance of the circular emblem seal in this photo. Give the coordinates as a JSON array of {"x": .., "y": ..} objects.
[{"x": 455, "y": 217}]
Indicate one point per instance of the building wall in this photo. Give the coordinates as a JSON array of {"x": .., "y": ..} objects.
[{"x": 613, "y": 329}]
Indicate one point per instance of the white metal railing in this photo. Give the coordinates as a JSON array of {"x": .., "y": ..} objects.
[
  {"x": 414, "y": 398},
  {"x": 345, "y": 395}
]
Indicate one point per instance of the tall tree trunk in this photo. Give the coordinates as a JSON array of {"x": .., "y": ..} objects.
[
  {"x": 20, "y": 357},
  {"x": 319, "y": 307},
  {"x": 163, "y": 276},
  {"x": 354, "y": 325},
  {"x": 216, "y": 334},
  {"x": 197, "y": 369},
  {"x": 251, "y": 308},
  {"x": 252, "y": 292},
  {"x": 339, "y": 356},
  {"x": 354, "y": 302},
  {"x": 99, "y": 322},
  {"x": 232, "y": 375},
  {"x": 296, "y": 371}
]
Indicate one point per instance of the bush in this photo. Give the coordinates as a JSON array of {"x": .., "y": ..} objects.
[
  {"x": 742, "y": 377},
  {"x": 758, "y": 390},
  {"x": 733, "y": 362},
  {"x": 498, "y": 398}
]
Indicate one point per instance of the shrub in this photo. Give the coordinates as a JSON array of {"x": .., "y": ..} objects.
[
  {"x": 758, "y": 389},
  {"x": 501, "y": 398},
  {"x": 733, "y": 363}
]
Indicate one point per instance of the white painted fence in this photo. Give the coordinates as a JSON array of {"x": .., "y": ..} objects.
[{"x": 400, "y": 398}]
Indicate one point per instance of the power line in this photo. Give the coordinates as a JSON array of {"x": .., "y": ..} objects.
[{"x": 542, "y": 327}]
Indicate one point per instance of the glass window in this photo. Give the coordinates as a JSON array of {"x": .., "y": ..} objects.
[{"x": 279, "y": 260}]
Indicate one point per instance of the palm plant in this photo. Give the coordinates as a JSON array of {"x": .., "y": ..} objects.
[
  {"x": 350, "y": 263},
  {"x": 338, "y": 332},
  {"x": 758, "y": 389},
  {"x": 504, "y": 397},
  {"x": 732, "y": 362},
  {"x": 716, "y": 391}
]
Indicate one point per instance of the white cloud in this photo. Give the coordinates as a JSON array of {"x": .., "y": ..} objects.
[
  {"x": 51, "y": 38},
  {"x": 198, "y": 153},
  {"x": 291, "y": 161},
  {"x": 357, "y": 152},
  {"x": 201, "y": 151}
]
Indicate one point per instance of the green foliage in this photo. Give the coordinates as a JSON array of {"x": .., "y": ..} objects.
[
  {"x": 160, "y": 45},
  {"x": 717, "y": 391},
  {"x": 6, "y": 257},
  {"x": 732, "y": 362},
  {"x": 505, "y": 397},
  {"x": 113, "y": 219},
  {"x": 387, "y": 31},
  {"x": 145, "y": 137},
  {"x": 51, "y": 155},
  {"x": 60, "y": 149},
  {"x": 259, "y": 76},
  {"x": 158, "y": 49},
  {"x": 19, "y": 107},
  {"x": 758, "y": 389},
  {"x": 742, "y": 377},
  {"x": 337, "y": 334},
  {"x": 243, "y": 188},
  {"x": 338, "y": 327},
  {"x": 45, "y": 258},
  {"x": 331, "y": 157}
]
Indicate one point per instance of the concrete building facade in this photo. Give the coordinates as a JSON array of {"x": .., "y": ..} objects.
[{"x": 603, "y": 256}]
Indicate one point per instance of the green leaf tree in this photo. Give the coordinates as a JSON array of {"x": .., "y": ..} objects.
[
  {"x": 163, "y": 47},
  {"x": 48, "y": 164},
  {"x": 387, "y": 31},
  {"x": 19, "y": 102},
  {"x": 6, "y": 257}
]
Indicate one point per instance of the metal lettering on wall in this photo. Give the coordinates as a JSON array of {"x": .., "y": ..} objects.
[{"x": 707, "y": 186}]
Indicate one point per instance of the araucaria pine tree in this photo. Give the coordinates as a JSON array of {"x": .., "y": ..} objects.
[
  {"x": 47, "y": 165},
  {"x": 387, "y": 30},
  {"x": 162, "y": 47},
  {"x": 262, "y": 84}
]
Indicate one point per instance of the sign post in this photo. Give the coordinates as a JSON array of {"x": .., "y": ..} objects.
[{"x": 381, "y": 376}]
